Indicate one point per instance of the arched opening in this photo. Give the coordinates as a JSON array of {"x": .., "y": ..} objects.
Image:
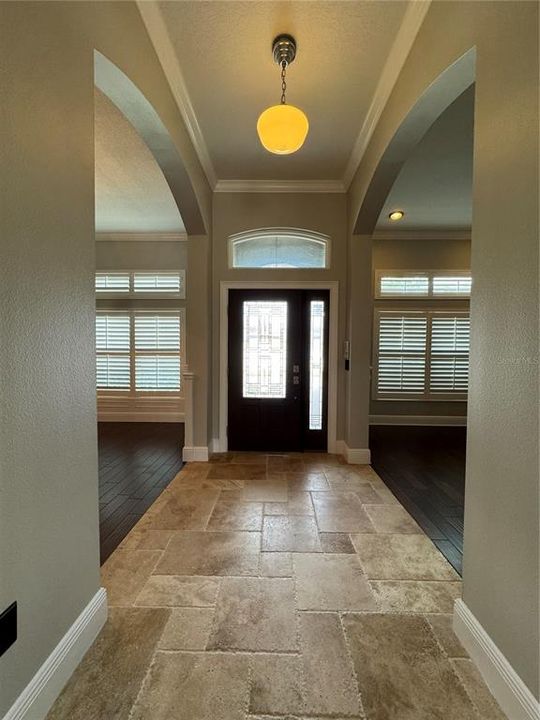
[
  {"x": 420, "y": 321},
  {"x": 145, "y": 207},
  {"x": 430, "y": 106},
  {"x": 111, "y": 81}
]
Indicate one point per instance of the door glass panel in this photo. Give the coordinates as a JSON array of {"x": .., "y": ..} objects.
[
  {"x": 316, "y": 363},
  {"x": 265, "y": 349}
]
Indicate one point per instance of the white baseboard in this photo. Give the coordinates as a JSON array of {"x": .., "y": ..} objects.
[
  {"x": 195, "y": 454},
  {"x": 338, "y": 449},
  {"x": 515, "y": 699},
  {"x": 442, "y": 420},
  {"x": 38, "y": 696},
  {"x": 356, "y": 456}
]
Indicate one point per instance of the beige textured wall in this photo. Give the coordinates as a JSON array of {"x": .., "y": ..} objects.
[
  {"x": 501, "y": 562},
  {"x": 141, "y": 255},
  {"x": 424, "y": 253},
  {"x": 420, "y": 254},
  {"x": 49, "y": 560},
  {"x": 501, "y": 516},
  {"x": 236, "y": 212},
  {"x": 49, "y": 555}
]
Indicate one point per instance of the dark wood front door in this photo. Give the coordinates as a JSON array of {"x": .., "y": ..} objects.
[{"x": 278, "y": 350}]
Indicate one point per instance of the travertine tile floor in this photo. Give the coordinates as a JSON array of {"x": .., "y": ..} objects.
[{"x": 261, "y": 587}]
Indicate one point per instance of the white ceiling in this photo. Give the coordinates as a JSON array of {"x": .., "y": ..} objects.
[
  {"x": 132, "y": 194},
  {"x": 223, "y": 50},
  {"x": 434, "y": 188}
]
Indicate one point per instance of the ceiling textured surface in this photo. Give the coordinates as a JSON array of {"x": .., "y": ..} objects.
[
  {"x": 132, "y": 194},
  {"x": 434, "y": 187},
  {"x": 224, "y": 52}
]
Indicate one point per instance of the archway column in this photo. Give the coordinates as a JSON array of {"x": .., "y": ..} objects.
[
  {"x": 497, "y": 618},
  {"x": 359, "y": 322},
  {"x": 198, "y": 329}
]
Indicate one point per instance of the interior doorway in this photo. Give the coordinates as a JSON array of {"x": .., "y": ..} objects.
[{"x": 278, "y": 370}]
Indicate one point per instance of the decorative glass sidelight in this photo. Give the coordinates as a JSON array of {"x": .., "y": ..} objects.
[
  {"x": 316, "y": 364},
  {"x": 265, "y": 349}
]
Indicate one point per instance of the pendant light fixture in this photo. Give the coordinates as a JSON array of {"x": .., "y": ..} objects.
[{"x": 283, "y": 128}]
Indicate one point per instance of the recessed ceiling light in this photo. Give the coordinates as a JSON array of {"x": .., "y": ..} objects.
[{"x": 396, "y": 215}]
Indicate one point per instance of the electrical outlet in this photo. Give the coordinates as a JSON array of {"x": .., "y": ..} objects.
[{"x": 8, "y": 628}]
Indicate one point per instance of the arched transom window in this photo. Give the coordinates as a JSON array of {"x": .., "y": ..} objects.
[{"x": 279, "y": 248}]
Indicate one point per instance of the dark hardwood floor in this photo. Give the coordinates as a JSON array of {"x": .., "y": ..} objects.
[
  {"x": 425, "y": 469},
  {"x": 136, "y": 462}
]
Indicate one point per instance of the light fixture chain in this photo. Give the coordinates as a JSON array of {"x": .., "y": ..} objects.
[{"x": 283, "y": 81}]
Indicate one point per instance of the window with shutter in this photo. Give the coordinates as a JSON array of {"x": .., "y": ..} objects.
[
  {"x": 402, "y": 351},
  {"x": 404, "y": 286},
  {"x": 421, "y": 355},
  {"x": 141, "y": 284},
  {"x": 113, "y": 351},
  {"x": 159, "y": 283},
  {"x": 139, "y": 351},
  {"x": 449, "y": 361},
  {"x": 425, "y": 284},
  {"x": 112, "y": 283},
  {"x": 452, "y": 285},
  {"x": 157, "y": 351}
]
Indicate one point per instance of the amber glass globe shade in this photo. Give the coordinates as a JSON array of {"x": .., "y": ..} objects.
[{"x": 282, "y": 129}]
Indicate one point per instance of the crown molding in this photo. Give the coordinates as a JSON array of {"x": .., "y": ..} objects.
[
  {"x": 406, "y": 35},
  {"x": 140, "y": 237},
  {"x": 279, "y": 186},
  {"x": 463, "y": 234},
  {"x": 161, "y": 40}
]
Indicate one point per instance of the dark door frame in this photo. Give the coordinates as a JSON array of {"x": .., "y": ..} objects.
[{"x": 220, "y": 443}]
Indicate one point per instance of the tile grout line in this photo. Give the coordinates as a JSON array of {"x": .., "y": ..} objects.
[
  {"x": 351, "y": 662},
  {"x": 463, "y": 684},
  {"x": 229, "y": 651},
  {"x": 144, "y": 682}
]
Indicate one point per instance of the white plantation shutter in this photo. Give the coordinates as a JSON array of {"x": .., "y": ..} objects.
[
  {"x": 112, "y": 372},
  {"x": 401, "y": 354},
  {"x": 153, "y": 284},
  {"x": 413, "y": 285},
  {"x": 157, "y": 372},
  {"x": 157, "y": 351},
  {"x": 452, "y": 285},
  {"x": 421, "y": 355},
  {"x": 449, "y": 362},
  {"x": 422, "y": 284},
  {"x": 157, "y": 332},
  {"x": 112, "y": 283},
  {"x": 159, "y": 283},
  {"x": 139, "y": 351},
  {"x": 113, "y": 351},
  {"x": 112, "y": 332}
]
